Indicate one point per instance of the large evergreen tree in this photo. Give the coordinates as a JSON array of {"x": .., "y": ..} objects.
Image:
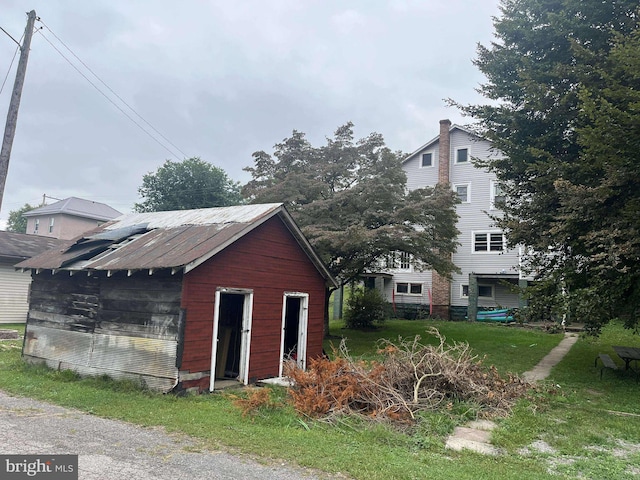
[{"x": 563, "y": 78}]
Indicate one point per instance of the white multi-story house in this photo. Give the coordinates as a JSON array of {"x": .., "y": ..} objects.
[{"x": 487, "y": 268}]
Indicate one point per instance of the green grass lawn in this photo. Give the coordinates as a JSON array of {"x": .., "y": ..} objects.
[{"x": 589, "y": 428}]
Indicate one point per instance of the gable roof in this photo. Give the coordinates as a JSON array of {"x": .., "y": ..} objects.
[
  {"x": 435, "y": 140},
  {"x": 78, "y": 207},
  {"x": 19, "y": 246},
  {"x": 180, "y": 240}
]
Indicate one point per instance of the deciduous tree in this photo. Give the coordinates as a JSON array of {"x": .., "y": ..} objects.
[
  {"x": 191, "y": 183},
  {"x": 350, "y": 199},
  {"x": 16, "y": 222}
]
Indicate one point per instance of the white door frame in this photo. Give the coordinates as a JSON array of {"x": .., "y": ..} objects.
[
  {"x": 303, "y": 321},
  {"x": 245, "y": 341}
]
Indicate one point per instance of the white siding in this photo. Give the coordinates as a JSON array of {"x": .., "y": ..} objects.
[
  {"x": 14, "y": 289},
  {"x": 473, "y": 217},
  {"x": 418, "y": 176}
]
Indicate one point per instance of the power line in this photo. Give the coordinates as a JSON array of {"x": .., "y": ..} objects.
[
  {"x": 8, "y": 35},
  {"x": 112, "y": 91},
  {"x": 109, "y": 99},
  {"x": 11, "y": 65}
]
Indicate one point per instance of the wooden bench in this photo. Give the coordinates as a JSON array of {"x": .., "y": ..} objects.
[{"x": 606, "y": 363}]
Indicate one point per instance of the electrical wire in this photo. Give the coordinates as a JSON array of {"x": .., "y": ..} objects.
[
  {"x": 112, "y": 91},
  {"x": 109, "y": 99},
  {"x": 8, "y": 35},
  {"x": 15, "y": 54}
]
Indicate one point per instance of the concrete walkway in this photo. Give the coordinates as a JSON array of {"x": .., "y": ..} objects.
[{"x": 477, "y": 435}]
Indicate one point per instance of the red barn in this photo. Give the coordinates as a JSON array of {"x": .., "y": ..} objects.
[{"x": 180, "y": 300}]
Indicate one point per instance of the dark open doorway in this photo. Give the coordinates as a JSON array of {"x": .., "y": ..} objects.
[
  {"x": 228, "y": 355},
  {"x": 291, "y": 327}
]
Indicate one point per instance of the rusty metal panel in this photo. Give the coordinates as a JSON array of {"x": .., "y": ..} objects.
[
  {"x": 67, "y": 346},
  {"x": 175, "y": 247},
  {"x": 149, "y": 359},
  {"x": 136, "y": 355},
  {"x": 173, "y": 239}
]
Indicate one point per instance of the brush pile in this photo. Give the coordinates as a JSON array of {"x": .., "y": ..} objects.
[{"x": 412, "y": 377}]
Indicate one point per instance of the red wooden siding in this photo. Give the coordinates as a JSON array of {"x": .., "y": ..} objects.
[{"x": 269, "y": 261}]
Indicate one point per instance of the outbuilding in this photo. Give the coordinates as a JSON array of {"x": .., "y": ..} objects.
[{"x": 180, "y": 300}]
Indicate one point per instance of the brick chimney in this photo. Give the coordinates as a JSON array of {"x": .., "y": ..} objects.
[
  {"x": 441, "y": 286},
  {"x": 444, "y": 151}
]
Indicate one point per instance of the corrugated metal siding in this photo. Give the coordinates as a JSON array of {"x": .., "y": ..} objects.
[
  {"x": 142, "y": 359},
  {"x": 14, "y": 290},
  {"x": 125, "y": 327}
]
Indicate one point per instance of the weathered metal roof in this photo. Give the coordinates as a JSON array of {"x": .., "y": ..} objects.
[
  {"x": 177, "y": 239},
  {"x": 18, "y": 246}
]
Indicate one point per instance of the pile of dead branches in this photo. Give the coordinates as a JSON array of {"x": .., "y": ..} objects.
[{"x": 412, "y": 377}]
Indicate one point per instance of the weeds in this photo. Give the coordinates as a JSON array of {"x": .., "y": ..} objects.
[{"x": 254, "y": 401}]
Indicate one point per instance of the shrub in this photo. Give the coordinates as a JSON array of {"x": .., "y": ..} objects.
[{"x": 364, "y": 308}]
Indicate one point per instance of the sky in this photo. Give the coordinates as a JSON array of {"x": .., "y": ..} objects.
[{"x": 222, "y": 79}]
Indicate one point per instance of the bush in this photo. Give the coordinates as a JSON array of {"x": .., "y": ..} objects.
[{"x": 364, "y": 308}]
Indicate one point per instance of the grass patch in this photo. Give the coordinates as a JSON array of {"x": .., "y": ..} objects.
[{"x": 567, "y": 435}]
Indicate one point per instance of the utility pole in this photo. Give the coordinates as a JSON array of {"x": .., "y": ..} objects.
[{"x": 12, "y": 115}]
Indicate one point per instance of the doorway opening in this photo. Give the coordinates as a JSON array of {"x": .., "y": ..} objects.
[
  {"x": 293, "y": 344},
  {"x": 231, "y": 336}
]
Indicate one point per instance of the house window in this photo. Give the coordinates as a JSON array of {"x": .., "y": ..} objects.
[
  {"x": 51, "y": 220},
  {"x": 488, "y": 242},
  {"x": 484, "y": 291},
  {"x": 390, "y": 260},
  {"x": 37, "y": 225},
  {"x": 406, "y": 288},
  {"x": 405, "y": 261},
  {"x": 427, "y": 159},
  {"x": 463, "y": 192},
  {"x": 497, "y": 195},
  {"x": 398, "y": 260},
  {"x": 462, "y": 155}
]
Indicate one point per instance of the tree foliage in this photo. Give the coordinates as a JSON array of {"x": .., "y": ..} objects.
[
  {"x": 16, "y": 222},
  {"x": 349, "y": 197},
  {"x": 191, "y": 183},
  {"x": 563, "y": 75}
]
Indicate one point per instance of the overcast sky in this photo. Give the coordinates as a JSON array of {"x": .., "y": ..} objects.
[{"x": 222, "y": 79}]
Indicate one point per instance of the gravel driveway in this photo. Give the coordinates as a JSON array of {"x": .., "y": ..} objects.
[{"x": 114, "y": 450}]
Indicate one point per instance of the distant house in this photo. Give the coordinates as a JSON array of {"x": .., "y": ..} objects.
[
  {"x": 68, "y": 218},
  {"x": 14, "y": 286},
  {"x": 489, "y": 269},
  {"x": 180, "y": 300}
]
